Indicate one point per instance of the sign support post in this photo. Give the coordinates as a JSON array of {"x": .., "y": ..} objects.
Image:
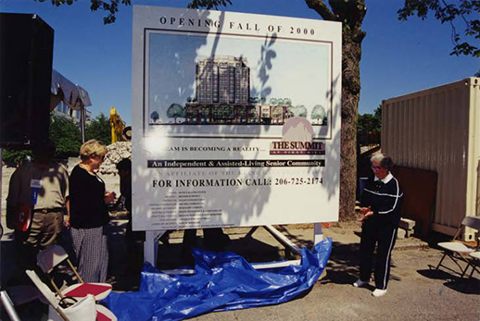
[{"x": 152, "y": 238}]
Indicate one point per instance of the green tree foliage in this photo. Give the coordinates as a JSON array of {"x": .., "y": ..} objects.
[
  {"x": 63, "y": 131},
  {"x": 463, "y": 13},
  {"x": 99, "y": 129},
  {"x": 299, "y": 111},
  {"x": 175, "y": 111},
  {"x": 111, "y": 6},
  {"x": 154, "y": 116},
  {"x": 351, "y": 12},
  {"x": 273, "y": 101},
  {"x": 367, "y": 125},
  {"x": 319, "y": 114},
  {"x": 15, "y": 157},
  {"x": 66, "y": 135},
  {"x": 208, "y": 4},
  {"x": 369, "y": 128},
  {"x": 255, "y": 100},
  {"x": 378, "y": 114},
  {"x": 370, "y": 123}
]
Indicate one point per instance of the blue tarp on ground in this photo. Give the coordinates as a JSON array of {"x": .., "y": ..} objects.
[{"x": 223, "y": 281}]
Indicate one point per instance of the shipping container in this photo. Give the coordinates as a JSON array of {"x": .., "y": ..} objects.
[{"x": 438, "y": 129}]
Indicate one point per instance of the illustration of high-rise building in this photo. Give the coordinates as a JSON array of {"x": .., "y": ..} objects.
[
  {"x": 222, "y": 96},
  {"x": 223, "y": 80}
]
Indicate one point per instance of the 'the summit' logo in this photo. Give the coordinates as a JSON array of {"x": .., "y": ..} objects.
[{"x": 297, "y": 139}]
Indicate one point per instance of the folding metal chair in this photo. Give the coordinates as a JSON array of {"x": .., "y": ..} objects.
[
  {"x": 456, "y": 250},
  {"x": 474, "y": 262},
  {"x": 52, "y": 256},
  {"x": 85, "y": 309}
]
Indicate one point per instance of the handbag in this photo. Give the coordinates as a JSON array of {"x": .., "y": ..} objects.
[{"x": 22, "y": 217}]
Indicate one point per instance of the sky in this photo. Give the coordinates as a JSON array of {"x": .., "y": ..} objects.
[{"x": 397, "y": 57}]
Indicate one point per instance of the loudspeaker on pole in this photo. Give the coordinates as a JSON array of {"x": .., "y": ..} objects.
[{"x": 26, "y": 54}]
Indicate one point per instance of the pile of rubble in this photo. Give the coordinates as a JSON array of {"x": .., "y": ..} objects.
[{"x": 116, "y": 152}]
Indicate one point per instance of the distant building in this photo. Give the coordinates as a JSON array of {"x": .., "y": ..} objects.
[{"x": 62, "y": 110}]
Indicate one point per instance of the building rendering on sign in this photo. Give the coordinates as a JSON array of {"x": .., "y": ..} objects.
[
  {"x": 222, "y": 96},
  {"x": 223, "y": 80}
]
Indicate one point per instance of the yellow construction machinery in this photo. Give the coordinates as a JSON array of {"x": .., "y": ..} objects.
[{"x": 120, "y": 132}]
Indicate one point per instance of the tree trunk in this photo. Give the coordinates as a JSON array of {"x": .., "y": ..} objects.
[
  {"x": 351, "y": 55},
  {"x": 351, "y": 14}
]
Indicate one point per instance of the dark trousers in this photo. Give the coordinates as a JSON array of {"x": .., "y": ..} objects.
[
  {"x": 384, "y": 238},
  {"x": 44, "y": 231}
]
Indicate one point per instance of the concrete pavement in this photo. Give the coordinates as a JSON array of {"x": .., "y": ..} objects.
[{"x": 415, "y": 292}]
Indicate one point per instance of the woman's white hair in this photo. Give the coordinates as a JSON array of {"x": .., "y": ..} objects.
[
  {"x": 385, "y": 161},
  {"x": 92, "y": 148},
  {"x": 377, "y": 157}
]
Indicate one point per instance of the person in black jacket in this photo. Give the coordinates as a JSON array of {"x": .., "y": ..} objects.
[
  {"x": 380, "y": 207},
  {"x": 87, "y": 215}
]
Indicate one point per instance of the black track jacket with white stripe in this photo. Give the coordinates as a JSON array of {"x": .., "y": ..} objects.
[{"x": 384, "y": 198}]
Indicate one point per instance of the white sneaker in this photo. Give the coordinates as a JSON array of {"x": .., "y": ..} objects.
[
  {"x": 360, "y": 284},
  {"x": 379, "y": 292}
]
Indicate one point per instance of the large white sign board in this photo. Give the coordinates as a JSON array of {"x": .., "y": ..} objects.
[{"x": 236, "y": 119}]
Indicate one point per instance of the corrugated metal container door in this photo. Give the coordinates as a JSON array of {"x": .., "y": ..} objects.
[
  {"x": 434, "y": 129},
  {"x": 473, "y": 183}
]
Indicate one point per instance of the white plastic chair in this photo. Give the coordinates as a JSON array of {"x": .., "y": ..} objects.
[
  {"x": 456, "y": 250},
  {"x": 85, "y": 309},
  {"x": 53, "y": 255}
]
